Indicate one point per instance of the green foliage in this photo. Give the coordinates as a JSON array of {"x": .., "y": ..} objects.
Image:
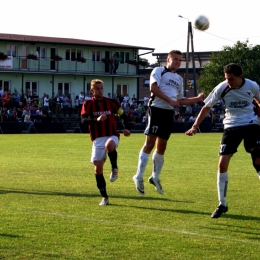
[
  {"x": 49, "y": 202},
  {"x": 243, "y": 53}
]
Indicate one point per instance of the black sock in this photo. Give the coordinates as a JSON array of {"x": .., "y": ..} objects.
[
  {"x": 113, "y": 158},
  {"x": 101, "y": 184}
]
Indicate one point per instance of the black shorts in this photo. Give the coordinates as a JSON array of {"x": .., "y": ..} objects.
[
  {"x": 233, "y": 136},
  {"x": 159, "y": 122}
]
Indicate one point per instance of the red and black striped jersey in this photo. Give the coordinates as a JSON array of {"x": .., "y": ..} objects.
[{"x": 95, "y": 108}]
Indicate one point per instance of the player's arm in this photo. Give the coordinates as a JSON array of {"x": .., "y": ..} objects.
[
  {"x": 191, "y": 100},
  {"x": 158, "y": 93},
  {"x": 202, "y": 114},
  {"x": 123, "y": 118},
  {"x": 86, "y": 120}
]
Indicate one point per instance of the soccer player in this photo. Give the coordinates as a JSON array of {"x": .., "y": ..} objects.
[
  {"x": 166, "y": 87},
  {"x": 99, "y": 114},
  {"x": 240, "y": 123}
]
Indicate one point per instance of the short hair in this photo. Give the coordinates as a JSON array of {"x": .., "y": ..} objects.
[
  {"x": 233, "y": 68},
  {"x": 174, "y": 52},
  {"x": 95, "y": 81}
]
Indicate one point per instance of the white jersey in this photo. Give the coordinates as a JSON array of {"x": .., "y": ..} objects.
[
  {"x": 170, "y": 83},
  {"x": 239, "y": 107}
]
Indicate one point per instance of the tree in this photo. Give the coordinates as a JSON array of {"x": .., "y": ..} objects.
[{"x": 242, "y": 53}]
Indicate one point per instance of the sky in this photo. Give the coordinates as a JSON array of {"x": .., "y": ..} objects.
[{"x": 144, "y": 23}]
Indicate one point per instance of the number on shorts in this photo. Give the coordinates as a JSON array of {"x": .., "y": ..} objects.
[
  {"x": 222, "y": 148},
  {"x": 154, "y": 128}
]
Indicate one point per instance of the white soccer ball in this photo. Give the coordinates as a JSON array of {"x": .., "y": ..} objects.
[{"x": 202, "y": 23}]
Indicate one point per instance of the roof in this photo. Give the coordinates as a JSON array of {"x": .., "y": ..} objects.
[{"x": 52, "y": 40}]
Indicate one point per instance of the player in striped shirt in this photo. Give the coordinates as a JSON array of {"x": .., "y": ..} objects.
[{"x": 99, "y": 113}]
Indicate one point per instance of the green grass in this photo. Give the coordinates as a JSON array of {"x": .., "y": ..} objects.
[{"x": 49, "y": 202}]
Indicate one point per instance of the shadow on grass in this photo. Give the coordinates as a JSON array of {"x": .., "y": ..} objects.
[
  {"x": 184, "y": 211},
  {"x": 9, "y": 235},
  {"x": 69, "y": 194},
  {"x": 234, "y": 229}
]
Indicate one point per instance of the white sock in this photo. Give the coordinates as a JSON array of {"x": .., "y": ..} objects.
[
  {"x": 258, "y": 174},
  {"x": 158, "y": 161},
  {"x": 142, "y": 162},
  {"x": 222, "y": 183}
]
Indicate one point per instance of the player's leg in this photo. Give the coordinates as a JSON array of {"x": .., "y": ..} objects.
[
  {"x": 158, "y": 161},
  {"x": 252, "y": 145},
  {"x": 142, "y": 162},
  {"x": 164, "y": 131},
  {"x": 231, "y": 139},
  {"x": 111, "y": 145},
  {"x": 98, "y": 158}
]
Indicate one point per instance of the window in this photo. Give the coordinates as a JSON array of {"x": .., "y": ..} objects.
[
  {"x": 63, "y": 88},
  {"x": 96, "y": 55},
  {"x": 11, "y": 50},
  {"x": 123, "y": 55},
  {"x": 121, "y": 89},
  {"x": 72, "y": 54},
  {"x": 5, "y": 84},
  {"x": 41, "y": 52},
  {"x": 31, "y": 86},
  {"x": 147, "y": 83},
  {"x": 127, "y": 55}
]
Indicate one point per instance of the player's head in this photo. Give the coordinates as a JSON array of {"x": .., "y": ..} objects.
[
  {"x": 233, "y": 75},
  {"x": 97, "y": 88},
  {"x": 174, "y": 58},
  {"x": 94, "y": 82},
  {"x": 233, "y": 68}
]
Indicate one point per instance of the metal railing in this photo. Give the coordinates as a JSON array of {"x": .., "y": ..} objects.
[{"x": 21, "y": 63}]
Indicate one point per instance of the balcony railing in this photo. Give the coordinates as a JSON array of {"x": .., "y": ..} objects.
[{"x": 63, "y": 66}]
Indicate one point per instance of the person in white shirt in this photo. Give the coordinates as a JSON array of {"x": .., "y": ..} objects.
[
  {"x": 240, "y": 124},
  {"x": 166, "y": 87}
]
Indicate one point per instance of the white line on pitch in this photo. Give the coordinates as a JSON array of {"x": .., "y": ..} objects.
[{"x": 133, "y": 226}]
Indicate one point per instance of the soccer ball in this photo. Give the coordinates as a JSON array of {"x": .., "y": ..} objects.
[{"x": 202, "y": 23}]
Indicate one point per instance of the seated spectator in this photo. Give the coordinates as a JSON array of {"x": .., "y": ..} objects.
[
  {"x": 37, "y": 117},
  {"x": 19, "y": 110},
  {"x": 27, "y": 120}
]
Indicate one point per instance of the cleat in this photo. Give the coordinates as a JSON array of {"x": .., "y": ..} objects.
[
  {"x": 219, "y": 210},
  {"x": 157, "y": 184},
  {"x": 114, "y": 174},
  {"x": 139, "y": 184},
  {"x": 104, "y": 202}
]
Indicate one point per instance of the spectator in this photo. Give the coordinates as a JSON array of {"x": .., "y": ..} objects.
[
  {"x": 57, "y": 102},
  {"x": 16, "y": 99},
  {"x": 117, "y": 61},
  {"x": 28, "y": 98},
  {"x": 1, "y": 93},
  {"x": 46, "y": 102},
  {"x": 112, "y": 64},
  {"x": 65, "y": 105},
  {"x": 27, "y": 120},
  {"x": 6, "y": 99},
  {"x": 20, "y": 110},
  {"x": 81, "y": 100},
  {"x": 35, "y": 98}
]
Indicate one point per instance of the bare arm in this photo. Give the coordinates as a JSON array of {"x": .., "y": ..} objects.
[
  {"x": 158, "y": 93},
  {"x": 203, "y": 113},
  {"x": 192, "y": 100}
]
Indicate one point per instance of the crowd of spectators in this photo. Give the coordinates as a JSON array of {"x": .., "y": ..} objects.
[
  {"x": 32, "y": 109},
  {"x": 189, "y": 113}
]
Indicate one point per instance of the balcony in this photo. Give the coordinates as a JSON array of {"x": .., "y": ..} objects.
[{"x": 50, "y": 66}]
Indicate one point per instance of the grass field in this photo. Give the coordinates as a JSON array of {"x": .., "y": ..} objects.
[{"x": 49, "y": 202}]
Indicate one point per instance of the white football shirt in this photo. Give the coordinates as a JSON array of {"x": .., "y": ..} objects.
[{"x": 239, "y": 107}]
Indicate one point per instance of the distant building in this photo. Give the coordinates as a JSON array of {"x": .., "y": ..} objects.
[{"x": 60, "y": 65}]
